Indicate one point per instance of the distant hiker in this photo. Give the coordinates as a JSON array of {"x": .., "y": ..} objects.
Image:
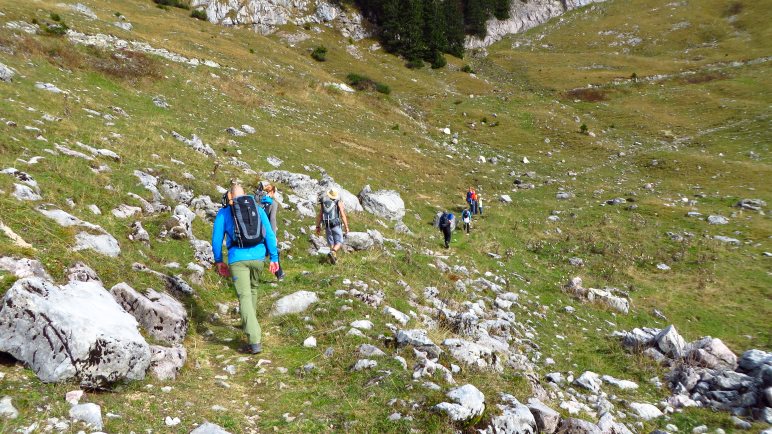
[
  {"x": 475, "y": 198},
  {"x": 248, "y": 236},
  {"x": 470, "y": 194},
  {"x": 479, "y": 205},
  {"x": 332, "y": 216},
  {"x": 271, "y": 207},
  {"x": 466, "y": 217},
  {"x": 446, "y": 227}
]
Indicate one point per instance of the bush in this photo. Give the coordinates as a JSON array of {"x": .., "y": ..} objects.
[
  {"x": 175, "y": 3},
  {"x": 199, "y": 14},
  {"x": 363, "y": 83},
  {"x": 382, "y": 88},
  {"x": 467, "y": 69},
  {"x": 319, "y": 54},
  {"x": 415, "y": 64},
  {"x": 438, "y": 60},
  {"x": 58, "y": 28},
  {"x": 583, "y": 129},
  {"x": 56, "y": 17}
]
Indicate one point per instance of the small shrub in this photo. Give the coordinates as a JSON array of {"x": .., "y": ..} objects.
[
  {"x": 118, "y": 14},
  {"x": 319, "y": 54},
  {"x": 199, "y": 14},
  {"x": 467, "y": 69},
  {"x": 438, "y": 60},
  {"x": 634, "y": 76},
  {"x": 395, "y": 127},
  {"x": 53, "y": 29},
  {"x": 583, "y": 129},
  {"x": 415, "y": 64},
  {"x": 251, "y": 51},
  {"x": 733, "y": 9},
  {"x": 56, "y": 17},
  {"x": 307, "y": 26},
  {"x": 382, "y": 88},
  {"x": 457, "y": 102}
]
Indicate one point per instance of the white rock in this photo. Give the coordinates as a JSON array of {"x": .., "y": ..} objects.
[
  {"x": 362, "y": 324},
  {"x": 167, "y": 362},
  {"x": 160, "y": 314},
  {"x": 310, "y": 342},
  {"x": 6, "y": 73},
  {"x": 368, "y": 350},
  {"x": 172, "y": 421},
  {"x": 505, "y": 198},
  {"x": 24, "y": 267},
  {"x": 468, "y": 402},
  {"x": 23, "y": 192},
  {"x": 7, "y": 410},
  {"x": 382, "y": 203},
  {"x": 83, "y": 9},
  {"x": 49, "y": 87},
  {"x": 90, "y": 414},
  {"x": 514, "y": 418},
  {"x": 104, "y": 244},
  {"x": 294, "y": 303},
  {"x": 670, "y": 342},
  {"x": 209, "y": 428},
  {"x": 402, "y": 318},
  {"x": 622, "y": 384},
  {"x": 645, "y": 411},
  {"x": 590, "y": 381},
  {"x": 71, "y": 331},
  {"x": 125, "y": 211},
  {"x": 364, "y": 364},
  {"x": 717, "y": 220}
]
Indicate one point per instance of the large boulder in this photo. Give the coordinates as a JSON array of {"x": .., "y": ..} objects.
[
  {"x": 468, "y": 403},
  {"x": 23, "y": 267},
  {"x": 670, "y": 342},
  {"x": 382, "y": 203},
  {"x": 6, "y": 73},
  {"x": 75, "y": 331},
  {"x": 159, "y": 313},
  {"x": 578, "y": 426},
  {"x": 712, "y": 353}
]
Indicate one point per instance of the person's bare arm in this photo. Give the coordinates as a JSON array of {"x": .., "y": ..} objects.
[{"x": 343, "y": 215}]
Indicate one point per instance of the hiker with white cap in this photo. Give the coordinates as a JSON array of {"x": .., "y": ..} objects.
[{"x": 332, "y": 216}]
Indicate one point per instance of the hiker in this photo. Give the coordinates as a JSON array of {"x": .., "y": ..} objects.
[
  {"x": 248, "y": 236},
  {"x": 270, "y": 205},
  {"x": 475, "y": 209},
  {"x": 446, "y": 227},
  {"x": 331, "y": 215},
  {"x": 479, "y": 205},
  {"x": 470, "y": 199},
  {"x": 466, "y": 217}
]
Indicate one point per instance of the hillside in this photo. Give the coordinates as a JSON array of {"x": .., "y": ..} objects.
[{"x": 613, "y": 144}]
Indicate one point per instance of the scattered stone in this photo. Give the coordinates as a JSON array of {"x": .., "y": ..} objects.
[
  {"x": 749, "y": 204},
  {"x": 645, "y": 411},
  {"x": 578, "y": 426},
  {"x": 84, "y": 10},
  {"x": 310, "y": 342},
  {"x": 514, "y": 418},
  {"x": 468, "y": 402},
  {"x": 7, "y": 410},
  {"x": 209, "y": 428},
  {"x": 6, "y": 73},
  {"x": 364, "y": 364},
  {"x": 90, "y": 414},
  {"x": 195, "y": 143},
  {"x": 275, "y": 161},
  {"x": 25, "y": 193},
  {"x": 103, "y": 244},
  {"x": 670, "y": 342},
  {"x": 138, "y": 233},
  {"x": 294, "y": 303},
  {"x": 49, "y": 87},
  {"x": 717, "y": 220},
  {"x": 590, "y": 381},
  {"x": 167, "y": 362},
  {"x": 402, "y": 318},
  {"x": 547, "y": 419},
  {"x": 505, "y": 198},
  {"x": 24, "y": 267},
  {"x": 727, "y": 240},
  {"x": 621, "y": 384},
  {"x": 368, "y": 350},
  {"x": 17, "y": 240}
]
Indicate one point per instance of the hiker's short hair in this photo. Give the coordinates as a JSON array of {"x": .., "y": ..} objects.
[{"x": 236, "y": 187}]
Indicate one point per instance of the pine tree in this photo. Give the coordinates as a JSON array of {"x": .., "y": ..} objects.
[
  {"x": 435, "y": 37},
  {"x": 454, "y": 27},
  {"x": 390, "y": 25},
  {"x": 501, "y": 9},
  {"x": 411, "y": 37},
  {"x": 475, "y": 16}
]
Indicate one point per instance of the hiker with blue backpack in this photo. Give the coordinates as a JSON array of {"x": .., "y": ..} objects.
[
  {"x": 466, "y": 218},
  {"x": 249, "y": 237},
  {"x": 332, "y": 217}
]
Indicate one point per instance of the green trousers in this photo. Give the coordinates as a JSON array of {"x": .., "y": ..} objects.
[{"x": 246, "y": 277}]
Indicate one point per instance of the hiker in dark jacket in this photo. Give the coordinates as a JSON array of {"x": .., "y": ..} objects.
[
  {"x": 466, "y": 217},
  {"x": 244, "y": 263},
  {"x": 271, "y": 207},
  {"x": 446, "y": 227}
]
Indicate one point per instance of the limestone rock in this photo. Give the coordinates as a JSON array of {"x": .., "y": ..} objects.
[
  {"x": 645, "y": 411},
  {"x": 7, "y": 410},
  {"x": 578, "y": 426},
  {"x": 167, "y": 362},
  {"x": 468, "y": 402},
  {"x": 670, "y": 342},
  {"x": 590, "y": 381},
  {"x": 24, "y": 267},
  {"x": 90, "y": 414},
  {"x": 515, "y": 418},
  {"x": 161, "y": 315},
  {"x": 294, "y": 303},
  {"x": 71, "y": 331},
  {"x": 209, "y": 428},
  {"x": 6, "y": 73},
  {"x": 382, "y": 203},
  {"x": 103, "y": 244},
  {"x": 547, "y": 419},
  {"x": 80, "y": 272}
]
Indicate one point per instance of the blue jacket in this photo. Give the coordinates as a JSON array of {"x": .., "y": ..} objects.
[{"x": 223, "y": 228}]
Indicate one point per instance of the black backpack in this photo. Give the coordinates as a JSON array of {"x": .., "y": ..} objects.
[{"x": 248, "y": 228}]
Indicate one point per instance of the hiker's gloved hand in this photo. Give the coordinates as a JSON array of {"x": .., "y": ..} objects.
[
  {"x": 222, "y": 269},
  {"x": 273, "y": 267}
]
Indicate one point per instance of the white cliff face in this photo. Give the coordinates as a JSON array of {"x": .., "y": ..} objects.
[
  {"x": 524, "y": 16},
  {"x": 265, "y": 15}
]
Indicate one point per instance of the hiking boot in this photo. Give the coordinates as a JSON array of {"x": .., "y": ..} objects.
[
  {"x": 251, "y": 349},
  {"x": 333, "y": 257}
]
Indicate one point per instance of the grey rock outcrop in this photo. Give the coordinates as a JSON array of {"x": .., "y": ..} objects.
[
  {"x": 209, "y": 428},
  {"x": 89, "y": 413},
  {"x": 7, "y": 410},
  {"x": 578, "y": 426},
  {"x": 24, "y": 267},
  {"x": 524, "y": 16},
  {"x": 547, "y": 419},
  {"x": 104, "y": 244},
  {"x": 160, "y": 314},
  {"x": 515, "y": 418},
  {"x": 74, "y": 331},
  {"x": 6, "y": 73}
]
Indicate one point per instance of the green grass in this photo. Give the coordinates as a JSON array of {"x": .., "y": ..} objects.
[{"x": 712, "y": 289}]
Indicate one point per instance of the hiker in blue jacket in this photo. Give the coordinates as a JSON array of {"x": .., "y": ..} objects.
[{"x": 245, "y": 263}]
